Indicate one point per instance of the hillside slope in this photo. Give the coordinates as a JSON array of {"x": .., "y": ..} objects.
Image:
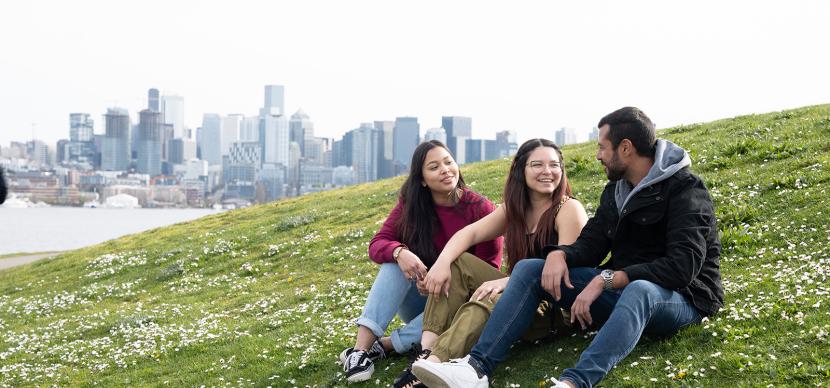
[{"x": 266, "y": 296}]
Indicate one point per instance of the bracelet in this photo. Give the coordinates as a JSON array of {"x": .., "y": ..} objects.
[{"x": 397, "y": 252}]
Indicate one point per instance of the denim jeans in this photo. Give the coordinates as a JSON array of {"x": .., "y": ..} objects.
[
  {"x": 392, "y": 293},
  {"x": 641, "y": 307}
]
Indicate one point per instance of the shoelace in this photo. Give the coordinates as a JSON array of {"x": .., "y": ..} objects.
[{"x": 354, "y": 358}]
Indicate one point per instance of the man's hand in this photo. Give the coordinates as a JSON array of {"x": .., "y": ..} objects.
[
  {"x": 438, "y": 279},
  {"x": 411, "y": 265},
  {"x": 581, "y": 308},
  {"x": 554, "y": 273}
]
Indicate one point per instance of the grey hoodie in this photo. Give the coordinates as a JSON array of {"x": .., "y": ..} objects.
[{"x": 669, "y": 158}]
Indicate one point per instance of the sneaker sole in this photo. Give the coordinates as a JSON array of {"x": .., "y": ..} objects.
[
  {"x": 428, "y": 376},
  {"x": 361, "y": 376}
]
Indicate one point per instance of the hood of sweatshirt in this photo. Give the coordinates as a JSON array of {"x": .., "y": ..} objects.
[{"x": 669, "y": 158}]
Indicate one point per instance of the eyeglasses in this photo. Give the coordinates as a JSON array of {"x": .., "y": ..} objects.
[{"x": 539, "y": 166}]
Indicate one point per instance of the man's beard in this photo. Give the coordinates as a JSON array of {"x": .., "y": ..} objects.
[{"x": 613, "y": 170}]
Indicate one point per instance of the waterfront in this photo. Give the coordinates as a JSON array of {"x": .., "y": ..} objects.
[{"x": 64, "y": 228}]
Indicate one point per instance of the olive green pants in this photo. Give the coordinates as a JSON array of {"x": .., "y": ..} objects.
[{"x": 459, "y": 321}]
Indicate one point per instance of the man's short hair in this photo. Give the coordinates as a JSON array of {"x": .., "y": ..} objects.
[{"x": 632, "y": 124}]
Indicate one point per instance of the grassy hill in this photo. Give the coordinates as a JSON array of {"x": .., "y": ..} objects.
[{"x": 266, "y": 296}]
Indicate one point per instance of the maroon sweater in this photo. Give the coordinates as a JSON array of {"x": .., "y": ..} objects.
[{"x": 472, "y": 207}]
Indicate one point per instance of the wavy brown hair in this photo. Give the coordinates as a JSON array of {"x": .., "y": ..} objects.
[
  {"x": 517, "y": 202},
  {"x": 418, "y": 218}
]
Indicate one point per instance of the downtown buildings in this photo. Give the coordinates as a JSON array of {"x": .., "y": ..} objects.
[{"x": 230, "y": 159}]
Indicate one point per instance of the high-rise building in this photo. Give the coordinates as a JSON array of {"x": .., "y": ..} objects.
[
  {"x": 474, "y": 150},
  {"x": 506, "y": 144},
  {"x": 436, "y": 134},
  {"x": 80, "y": 127},
  {"x": 181, "y": 150},
  {"x": 342, "y": 151},
  {"x": 210, "y": 139},
  {"x": 172, "y": 110},
  {"x": 274, "y": 137},
  {"x": 566, "y": 136},
  {"x": 153, "y": 100},
  {"x": 386, "y": 160},
  {"x": 458, "y": 130},
  {"x": 275, "y": 98},
  {"x": 230, "y": 131},
  {"x": 366, "y": 142},
  {"x": 149, "y": 142},
  {"x": 115, "y": 150},
  {"x": 594, "y": 135},
  {"x": 240, "y": 169},
  {"x": 407, "y": 135},
  {"x": 38, "y": 153},
  {"x": 301, "y": 129},
  {"x": 249, "y": 130}
]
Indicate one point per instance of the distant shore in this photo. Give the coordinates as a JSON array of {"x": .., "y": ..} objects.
[{"x": 17, "y": 259}]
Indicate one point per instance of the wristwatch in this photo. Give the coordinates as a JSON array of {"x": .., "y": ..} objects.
[{"x": 607, "y": 276}]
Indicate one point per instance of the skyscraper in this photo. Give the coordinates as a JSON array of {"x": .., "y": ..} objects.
[
  {"x": 458, "y": 129},
  {"x": 275, "y": 98},
  {"x": 115, "y": 152},
  {"x": 80, "y": 127},
  {"x": 407, "y": 135},
  {"x": 149, "y": 142},
  {"x": 230, "y": 131},
  {"x": 436, "y": 134},
  {"x": 249, "y": 130},
  {"x": 153, "y": 100},
  {"x": 365, "y": 146},
  {"x": 301, "y": 129},
  {"x": 386, "y": 160},
  {"x": 172, "y": 109},
  {"x": 506, "y": 144},
  {"x": 210, "y": 139},
  {"x": 565, "y": 136},
  {"x": 274, "y": 137}
]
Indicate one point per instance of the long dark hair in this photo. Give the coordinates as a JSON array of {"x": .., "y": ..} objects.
[
  {"x": 418, "y": 221},
  {"x": 517, "y": 202}
]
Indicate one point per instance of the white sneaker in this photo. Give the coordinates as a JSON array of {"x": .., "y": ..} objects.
[
  {"x": 454, "y": 374},
  {"x": 558, "y": 384}
]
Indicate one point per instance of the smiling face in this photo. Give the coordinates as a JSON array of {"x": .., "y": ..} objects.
[
  {"x": 609, "y": 157},
  {"x": 543, "y": 171},
  {"x": 440, "y": 172}
]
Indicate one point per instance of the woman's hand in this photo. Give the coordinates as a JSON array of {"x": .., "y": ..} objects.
[
  {"x": 489, "y": 289},
  {"x": 438, "y": 279},
  {"x": 411, "y": 265}
]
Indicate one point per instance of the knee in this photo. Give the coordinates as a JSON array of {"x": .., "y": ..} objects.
[
  {"x": 642, "y": 293},
  {"x": 528, "y": 269}
]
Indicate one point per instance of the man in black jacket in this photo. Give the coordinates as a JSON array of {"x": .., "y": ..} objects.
[{"x": 657, "y": 221}]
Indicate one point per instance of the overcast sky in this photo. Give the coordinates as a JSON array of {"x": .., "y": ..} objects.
[{"x": 532, "y": 67}]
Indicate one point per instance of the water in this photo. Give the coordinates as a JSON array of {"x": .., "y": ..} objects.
[{"x": 63, "y": 228}]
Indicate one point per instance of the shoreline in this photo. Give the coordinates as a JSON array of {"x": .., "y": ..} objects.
[{"x": 17, "y": 259}]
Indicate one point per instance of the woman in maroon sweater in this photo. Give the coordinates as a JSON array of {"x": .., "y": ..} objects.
[{"x": 434, "y": 203}]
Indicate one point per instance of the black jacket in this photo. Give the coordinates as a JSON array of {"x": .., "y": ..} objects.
[{"x": 666, "y": 234}]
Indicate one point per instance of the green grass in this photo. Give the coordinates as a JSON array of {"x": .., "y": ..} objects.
[{"x": 266, "y": 296}]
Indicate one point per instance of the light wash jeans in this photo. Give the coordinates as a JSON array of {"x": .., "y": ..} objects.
[
  {"x": 393, "y": 293},
  {"x": 640, "y": 307}
]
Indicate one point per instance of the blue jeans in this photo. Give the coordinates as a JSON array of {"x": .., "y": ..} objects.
[
  {"x": 393, "y": 293},
  {"x": 641, "y": 307}
]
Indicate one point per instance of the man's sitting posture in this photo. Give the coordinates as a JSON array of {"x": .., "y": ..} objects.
[{"x": 657, "y": 220}]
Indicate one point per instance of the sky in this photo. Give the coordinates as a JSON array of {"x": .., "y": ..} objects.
[{"x": 528, "y": 66}]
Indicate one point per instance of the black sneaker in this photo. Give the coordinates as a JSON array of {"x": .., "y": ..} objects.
[
  {"x": 358, "y": 366},
  {"x": 406, "y": 379},
  {"x": 376, "y": 352}
]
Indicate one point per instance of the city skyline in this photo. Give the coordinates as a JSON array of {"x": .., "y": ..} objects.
[{"x": 543, "y": 67}]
